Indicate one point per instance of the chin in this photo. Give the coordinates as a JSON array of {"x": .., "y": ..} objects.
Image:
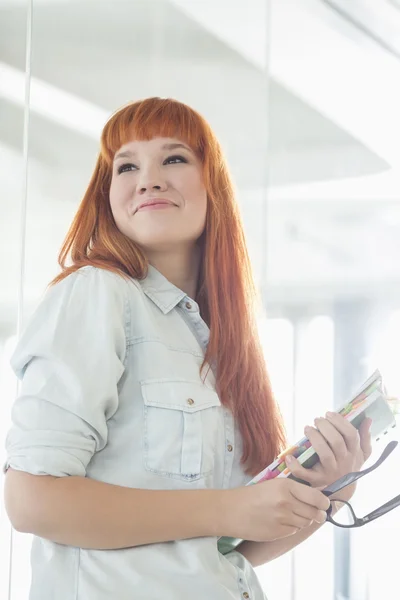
[{"x": 155, "y": 243}]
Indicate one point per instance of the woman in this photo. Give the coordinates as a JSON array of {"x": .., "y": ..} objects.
[{"x": 145, "y": 405}]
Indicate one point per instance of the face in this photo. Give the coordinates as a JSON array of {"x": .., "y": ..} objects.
[{"x": 157, "y": 194}]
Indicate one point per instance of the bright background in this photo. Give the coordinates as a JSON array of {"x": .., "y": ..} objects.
[{"x": 305, "y": 97}]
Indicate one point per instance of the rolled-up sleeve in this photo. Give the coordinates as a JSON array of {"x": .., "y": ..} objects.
[{"x": 70, "y": 360}]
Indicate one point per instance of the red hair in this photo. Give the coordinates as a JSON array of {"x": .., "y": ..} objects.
[{"x": 226, "y": 295}]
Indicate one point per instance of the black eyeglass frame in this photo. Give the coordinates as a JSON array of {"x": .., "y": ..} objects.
[{"x": 351, "y": 478}]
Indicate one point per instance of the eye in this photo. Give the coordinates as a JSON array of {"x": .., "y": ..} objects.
[
  {"x": 126, "y": 167},
  {"x": 171, "y": 160}
]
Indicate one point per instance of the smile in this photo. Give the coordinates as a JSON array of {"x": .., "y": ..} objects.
[{"x": 156, "y": 206}]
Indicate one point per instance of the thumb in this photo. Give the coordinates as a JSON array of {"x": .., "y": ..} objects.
[{"x": 365, "y": 437}]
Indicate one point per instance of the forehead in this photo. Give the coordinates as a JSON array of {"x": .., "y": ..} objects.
[{"x": 153, "y": 145}]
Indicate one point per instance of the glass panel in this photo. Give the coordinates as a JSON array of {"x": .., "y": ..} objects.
[
  {"x": 333, "y": 217},
  {"x": 277, "y": 336},
  {"x": 297, "y": 127},
  {"x": 132, "y": 50},
  {"x": 314, "y": 371},
  {"x": 384, "y": 483},
  {"x": 313, "y": 397},
  {"x": 13, "y": 34}
]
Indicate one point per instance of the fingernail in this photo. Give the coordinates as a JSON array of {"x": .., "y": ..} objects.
[
  {"x": 330, "y": 414},
  {"x": 289, "y": 459}
]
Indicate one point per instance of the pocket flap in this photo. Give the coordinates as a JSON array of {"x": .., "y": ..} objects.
[{"x": 189, "y": 396}]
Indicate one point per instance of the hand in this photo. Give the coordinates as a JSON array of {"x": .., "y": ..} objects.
[
  {"x": 341, "y": 449},
  {"x": 272, "y": 509}
]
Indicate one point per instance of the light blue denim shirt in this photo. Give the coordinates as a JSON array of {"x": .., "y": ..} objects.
[{"x": 111, "y": 390}]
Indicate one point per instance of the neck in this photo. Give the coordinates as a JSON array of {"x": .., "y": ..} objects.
[{"x": 181, "y": 269}]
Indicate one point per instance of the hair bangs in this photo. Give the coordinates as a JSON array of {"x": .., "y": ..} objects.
[{"x": 154, "y": 117}]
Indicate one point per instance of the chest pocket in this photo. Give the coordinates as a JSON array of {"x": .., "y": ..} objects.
[{"x": 182, "y": 424}]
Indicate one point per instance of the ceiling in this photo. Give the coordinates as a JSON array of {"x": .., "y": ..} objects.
[{"x": 328, "y": 171}]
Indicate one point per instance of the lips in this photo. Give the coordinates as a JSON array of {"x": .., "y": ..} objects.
[{"x": 154, "y": 202}]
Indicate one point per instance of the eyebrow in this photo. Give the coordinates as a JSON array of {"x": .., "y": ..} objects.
[{"x": 171, "y": 146}]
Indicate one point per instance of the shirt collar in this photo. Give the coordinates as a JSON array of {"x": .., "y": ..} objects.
[{"x": 161, "y": 291}]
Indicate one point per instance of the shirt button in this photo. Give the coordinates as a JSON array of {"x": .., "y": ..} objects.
[
  {"x": 190, "y": 401},
  {"x": 188, "y": 305},
  {"x": 245, "y": 595},
  {"x": 229, "y": 448}
]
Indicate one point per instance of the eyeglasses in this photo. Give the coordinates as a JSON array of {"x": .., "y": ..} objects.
[{"x": 346, "y": 517}]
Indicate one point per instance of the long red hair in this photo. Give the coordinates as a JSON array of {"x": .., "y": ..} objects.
[{"x": 227, "y": 295}]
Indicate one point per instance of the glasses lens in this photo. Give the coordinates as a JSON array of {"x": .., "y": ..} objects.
[{"x": 344, "y": 517}]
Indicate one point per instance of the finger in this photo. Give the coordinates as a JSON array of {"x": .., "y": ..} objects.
[
  {"x": 365, "y": 437},
  {"x": 309, "y": 495},
  {"x": 310, "y": 513},
  {"x": 334, "y": 438},
  {"x": 348, "y": 431},
  {"x": 301, "y": 472},
  {"x": 284, "y": 531},
  {"x": 294, "y": 520},
  {"x": 322, "y": 448}
]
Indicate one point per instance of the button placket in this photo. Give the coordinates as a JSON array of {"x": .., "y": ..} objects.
[
  {"x": 243, "y": 585},
  {"x": 229, "y": 437}
]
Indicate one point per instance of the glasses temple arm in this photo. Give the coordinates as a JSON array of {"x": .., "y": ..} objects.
[
  {"x": 344, "y": 482},
  {"x": 382, "y": 510},
  {"x": 350, "y": 478}
]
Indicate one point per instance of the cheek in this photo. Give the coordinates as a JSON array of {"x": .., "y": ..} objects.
[
  {"x": 119, "y": 194},
  {"x": 197, "y": 212},
  {"x": 196, "y": 195},
  {"x": 115, "y": 208},
  {"x": 114, "y": 192},
  {"x": 203, "y": 206},
  {"x": 202, "y": 202}
]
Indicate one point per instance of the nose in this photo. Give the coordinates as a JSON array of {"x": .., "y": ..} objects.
[{"x": 151, "y": 180}]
